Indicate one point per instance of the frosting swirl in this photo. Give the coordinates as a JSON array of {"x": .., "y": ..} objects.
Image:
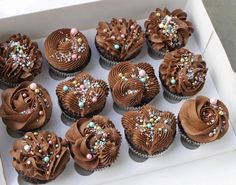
[
  {"x": 149, "y": 130},
  {"x": 26, "y": 107},
  {"x": 167, "y": 31},
  {"x": 67, "y": 50},
  {"x": 94, "y": 143},
  {"x": 204, "y": 120},
  {"x": 182, "y": 72},
  {"x": 82, "y": 96},
  {"x": 133, "y": 84},
  {"x": 121, "y": 39},
  {"x": 20, "y": 59},
  {"x": 42, "y": 156}
]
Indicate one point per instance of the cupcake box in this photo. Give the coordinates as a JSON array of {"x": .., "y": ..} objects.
[{"x": 219, "y": 81}]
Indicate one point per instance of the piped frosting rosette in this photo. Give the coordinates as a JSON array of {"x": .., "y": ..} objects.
[
  {"x": 167, "y": 31},
  {"x": 40, "y": 157},
  {"x": 20, "y": 60},
  {"x": 133, "y": 85},
  {"x": 26, "y": 107},
  {"x": 183, "y": 73},
  {"x": 119, "y": 40},
  {"x": 149, "y": 131},
  {"x": 67, "y": 50},
  {"x": 203, "y": 120},
  {"x": 94, "y": 142},
  {"x": 82, "y": 96}
]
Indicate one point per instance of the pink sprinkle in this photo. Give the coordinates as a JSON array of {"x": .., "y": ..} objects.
[
  {"x": 132, "y": 26},
  {"x": 81, "y": 86},
  {"x": 33, "y": 86},
  {"x": 50, "y": 142},
  {"x": 113, "y": 37},
  {"x": 94, "y": 99},
  {"x": 40, "y": 113},
  {"x": 122, "y": 35},
  {"x": 24, "y": 95},
  {"x": 213, "y": 101},
  {"x": 89, "y": 156},
  {"x": 73, "y": 31},
  {"x": 142, "y": 73},
  {"x": 120, "y": 20},
  {"x": 74, "y": 56}
]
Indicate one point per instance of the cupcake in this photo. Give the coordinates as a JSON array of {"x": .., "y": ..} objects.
[
  {"x": 182, "y": 74},
  {"x": 94, "y": 143},
  {"x": 20, "y": 60},
  {"x": 167, "y": 31},
  {"x": 133, "y": 85},
  {"x": 26, "y": 107},
  {"x": 119, "y": 40},
  {"x": 149, "y": 131},
  {"x": 67, "y": 51},
  {"x": 40, "y": 157},
  {"x": 203, "y": 120},
  {"x": 82, "y": 96}
]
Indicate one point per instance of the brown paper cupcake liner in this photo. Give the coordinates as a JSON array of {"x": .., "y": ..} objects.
[
  {"x": 31, "y": 179},
  {"x": 157, "y": 55},
  {"x": 139, "y": 152},
  {"x": 8, "y": 84}
]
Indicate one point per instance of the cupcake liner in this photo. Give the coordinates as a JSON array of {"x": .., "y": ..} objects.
[
  {"x": 31, "y": 179},
  {"x": 107, "y": 64},
  {"x": 8, "y": 84},
  {"x": 120, "y": 109},
  {"x": 157, "y": 55},
  {"x": 192, "y": 144},
  {"x": 139, "y": 152},
  {"x": 94, "y": 170},
  {"x": 65, "y": 74}
]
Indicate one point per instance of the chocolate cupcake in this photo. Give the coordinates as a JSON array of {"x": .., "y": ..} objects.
[
  {"x": 94, "y": 143},
  {"x": 167, "y": 31},
  {"x": 40, "y": 157},
  {"x": 26, "y": 107},
  {"x": 67, "y": 51},
  {"x": 82, "y": 96},
  {"x": 182, "y": 74},
  {"x": 20, "y": 60},
  {"x": 203, "y": 120},
  {"x": 133, "y": 85},
  {"x": 149, "y": 131},
  {"x": 118, "y": 40}
]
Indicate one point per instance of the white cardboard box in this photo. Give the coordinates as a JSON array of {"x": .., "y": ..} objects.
[{"x": 220, "y": 82}]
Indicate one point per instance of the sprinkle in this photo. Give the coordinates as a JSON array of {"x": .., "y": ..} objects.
[
  {"x": 74, "y": 82},
  {"x": 94, "y": 99},
  {"x": 149, "y": 125},
  {"x": 221, "y": 113},
  {"x": 122, "y": 35},
  {"x": 28, "y": 162},
  {"x": 81, "y": 104},
  {"x": 73, "y": 31},
  {"x": 91, "y": 124},
  {"x": 211, "y": 134},
  {"x": 213, "y": 101},
  {"x": 89, "y": 156},
  {"x": 142, "y": 73},
  {"x": 57, "y": 156},
  {"x": 173, "y": 81},
  {"x": 24, "y": 95},
  {"x": 143, "y": 79},
  {"x": 36, "y": 91},
  {"x": 81, "y": 86},
  {"x": 27, "y": 148},
  {"x": 116, "y": 46},
  {"x": 74, "y": 56},
  {"x": 40, "y": 113},
  {"x": 79, "y": 40},
  {"x": 46, "y": 159},
  {"x": 50, "y": 142},
  {"x": 56, "y": 145},
  {"x": 132, "y": 26},
  {"x": 36, "y": 133},
  {"x": 65, "y": 88},
  {"x": 33, "y": 86},
  {"x": 113, "y": 37}
]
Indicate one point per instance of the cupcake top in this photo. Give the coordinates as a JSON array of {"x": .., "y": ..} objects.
[
  {"x": 82, "y": 95},
  {"x": 94, "y": 142},
  {"x": 182, "y": 72},
  {"x": 149, "y": 129},
  {"x": 204, "y": 120},
  {"x": 40, "y": 155},
  {"x": 120, "y": 38},
  {"x": 133, "y": 84},
  {"x": 167, "y": 30},
  {"x": 67, "y": 49},
  {"x": 26, "y": 107},
  {"x": 20, "y": 59}
]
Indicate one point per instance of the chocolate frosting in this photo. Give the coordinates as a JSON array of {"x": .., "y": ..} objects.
[
  {"x": 40, "y": 155},
  {"x": 150, "y": 130},
  {"x": 167, "y": 31},
  {"x": 94, "y": 142},
  {"x": 120, "y": 38},
  {"x": 182, "y": 72},
  {"x": 82, "y": 95},
  {"x": 66, "y": 51},
  {"x": 204, "y": 120},
  {"x": 26, "y": 107},
  {"x": 133, "y": 84},
  {"x": 20, "y": 59}
]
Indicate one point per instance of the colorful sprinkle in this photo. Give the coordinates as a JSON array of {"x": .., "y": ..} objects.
[
  {"x": 89, "y": 156},
  {"x": 40, "y": 113},
  {"x": 65, "y": 88},
  {"x": 142, "y": 73},
  {"x": 91, "y": 124},
  {"x": 27, "y": 148},
  {"x": 213, "y": 101},
  {"x": 94, "y": 99},
  {"x": 173, "y": 81},
  {"x": 116, "y": 46},
  {"x": 79, "y": 40},
  {"x": 74, "y": 56},
  {"x": 81, "y": 104},
  {"x": 46, "y": 159},
  {"x": 33, "y": 86},
  {"x": 73, "y": 31}
]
